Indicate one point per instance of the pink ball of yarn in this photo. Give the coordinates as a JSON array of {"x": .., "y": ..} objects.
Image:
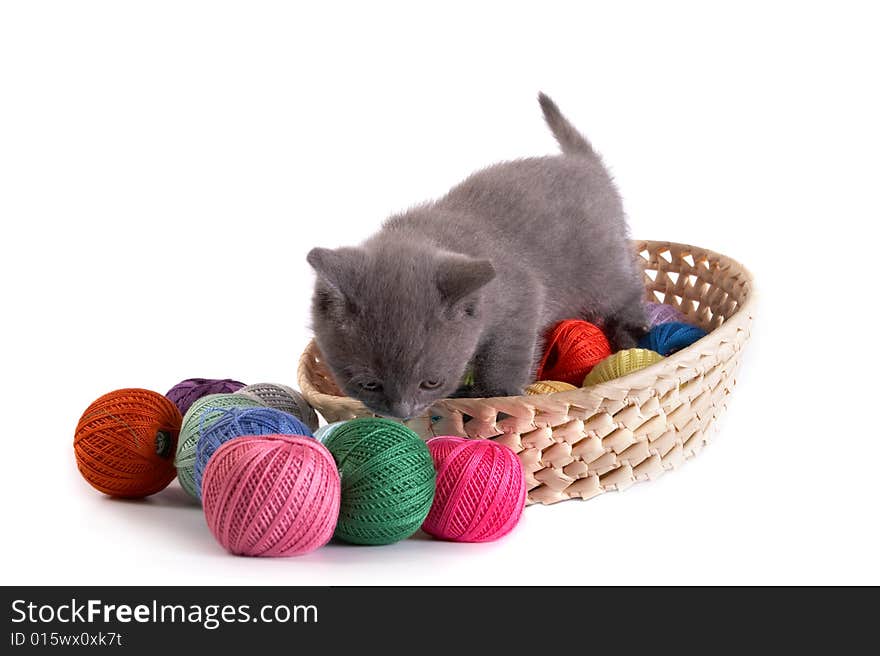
[
  {"x": 271, "y": 495},
  {"x": 481, "y": 490}
]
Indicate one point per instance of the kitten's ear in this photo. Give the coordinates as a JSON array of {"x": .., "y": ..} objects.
[
  {"x": 460, "y": 276},
  {"x": 338, "y": 268}
]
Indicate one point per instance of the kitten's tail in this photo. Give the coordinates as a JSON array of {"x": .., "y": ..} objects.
[{"x": 570, "y": 140}]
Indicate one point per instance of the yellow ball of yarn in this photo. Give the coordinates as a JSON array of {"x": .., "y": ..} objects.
[
  {"x": 620, "y": 364},
  {"x": 548, "y": 387}
]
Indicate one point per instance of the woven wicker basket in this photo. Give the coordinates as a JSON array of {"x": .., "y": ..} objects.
[{"x": 581, "y": 443}]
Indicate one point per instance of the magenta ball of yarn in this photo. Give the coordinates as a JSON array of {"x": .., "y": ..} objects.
[
  {"x": 660, "y": 313},
  {"x": 481, "y": 490},
  {"x": 188, "y": 391},
  {"x": 271, "y": 495}
]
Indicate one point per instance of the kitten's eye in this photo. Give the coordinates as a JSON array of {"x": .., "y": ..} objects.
[
  {"x": 430, "y": 384},
  {"x": 371, "y": 385}
]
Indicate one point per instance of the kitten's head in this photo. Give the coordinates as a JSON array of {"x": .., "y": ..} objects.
[{"x": 397, "y": 325}]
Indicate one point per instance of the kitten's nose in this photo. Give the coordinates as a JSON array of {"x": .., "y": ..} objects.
[{"x": 402, "y": 409}]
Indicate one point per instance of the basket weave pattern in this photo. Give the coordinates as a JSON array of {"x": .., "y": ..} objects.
[{"x": 581, "y": 443}]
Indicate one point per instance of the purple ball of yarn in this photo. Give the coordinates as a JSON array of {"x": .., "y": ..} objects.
[
  {"x": 660, "y": 313},
  {"x": 188, "y": 391}
]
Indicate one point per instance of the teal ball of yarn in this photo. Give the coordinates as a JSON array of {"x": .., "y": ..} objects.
[
  {"x": 200, "y": 416},
  {"x": 387, "y": 477},
  {"x": 327, "y": 430}
]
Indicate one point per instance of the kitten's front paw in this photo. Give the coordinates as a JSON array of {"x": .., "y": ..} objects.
[
  {"x": 463, "y": 392},
  {"x": 477, "y": 392},
  {"x": 489, "y": 392},
  {"x": 625, "y": 336}
]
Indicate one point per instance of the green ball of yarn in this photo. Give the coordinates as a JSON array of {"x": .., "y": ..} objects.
[
  {"x": 201, "y": 414},
  {"x": 387, "y": 480}
]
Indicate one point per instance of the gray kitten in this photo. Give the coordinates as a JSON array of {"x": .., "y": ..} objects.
[{"x": 475, "y": 278}]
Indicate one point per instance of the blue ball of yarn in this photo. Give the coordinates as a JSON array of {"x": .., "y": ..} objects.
[
  {"x": 237, "y": 422},
  {"x": 671, "y": 337}
]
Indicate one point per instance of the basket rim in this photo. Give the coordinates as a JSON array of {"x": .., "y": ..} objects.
[{"x": 741, "y": 317}]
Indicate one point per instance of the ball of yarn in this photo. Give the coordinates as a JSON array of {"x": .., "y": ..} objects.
[
  {"x": 197, "y": 419},
  {"x": 325, "y": 431},
  {"x": 125, "y": 441},
  {"x": 271, "y": 495},
  {"x": 671, "y": 337},
  {"x": 481, "y": 490},
  {"x": 387, "y": 480},
  {"x": 573, "y": 348},
  {"x": 620, "y": 364},
  {"x": 237, "y": 422},
  {"x": 660, "y": 313},
  {"x": 284, "y": 398},
  {"x": 186, "y": 392},
  {"x": 548, "y": 387}
]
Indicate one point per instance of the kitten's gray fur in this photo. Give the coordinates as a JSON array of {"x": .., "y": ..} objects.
[{"x": 476, "y": 277}]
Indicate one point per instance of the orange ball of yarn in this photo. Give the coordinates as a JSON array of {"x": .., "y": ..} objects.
[
  {"x": 125, "y": 443},
  {"x": 573, "y": 348}
]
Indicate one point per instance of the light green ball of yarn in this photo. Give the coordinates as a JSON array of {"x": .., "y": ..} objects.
[
  {"x": 201, "y": 414},
  {"x": 327, "y": 430},
  {"x": 621, "y": 364},
  {"x": 387, "y": 477}
]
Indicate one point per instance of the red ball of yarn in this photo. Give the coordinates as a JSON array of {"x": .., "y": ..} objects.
[
  {"x": 573, "y": 348},
  {"x": 125, "y": 443},
  {"x": 481, "y": 490}
]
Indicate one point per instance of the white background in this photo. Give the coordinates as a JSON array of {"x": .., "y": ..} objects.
[{"x": 165, "y": 167}]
